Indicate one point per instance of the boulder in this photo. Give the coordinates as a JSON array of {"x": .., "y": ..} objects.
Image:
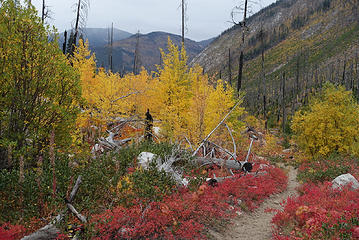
[
  {"x": 287, "y": 150},
  {"x": 145, "y": 158},
  {"x": 344, "y": 180}
]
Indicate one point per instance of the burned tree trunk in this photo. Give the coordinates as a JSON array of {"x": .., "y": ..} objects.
[
  {"x": 76, "y": 27},
  {"x": 64, "y": 44},
  {"x": 229, "y": 67},
  {"x": 241, "y": 56},
  {"x": 148, "y": 126},
  {"x": 43, "y": 11},
  {"x": 183, "y": 21},
  {"x": 240, "y": 72},
  {"x": 136, "y": 57},
  {"x": 283, "y": 102},
  {"x": 263, "y": 80}
]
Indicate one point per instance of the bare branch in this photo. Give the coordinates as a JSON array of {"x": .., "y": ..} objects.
[
  {"x": 234, "y": 142},
  {"x": 223, "y": 149},
  {"x": 125, "y": 96},
  {"x": 75, "y": 189},
  {"x": 209, "y": 135},
  {"x": 72, "y": 209}
]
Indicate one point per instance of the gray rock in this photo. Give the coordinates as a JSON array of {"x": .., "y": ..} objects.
[
  {"x": 145, "y": 158},
  {"x": 344, "y": 180}
]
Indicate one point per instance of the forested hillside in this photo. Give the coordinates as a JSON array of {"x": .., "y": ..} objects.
[
  {"x": 303, "y": 42},
  {"x": 145, "y": 48}
]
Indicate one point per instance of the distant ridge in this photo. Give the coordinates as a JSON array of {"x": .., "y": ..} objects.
[
  {"x": 149, "y": 50},
  {"x": 99, "y": 36}
]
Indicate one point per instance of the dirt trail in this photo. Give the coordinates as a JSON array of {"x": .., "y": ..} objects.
[{"x": 257, "y": 225}]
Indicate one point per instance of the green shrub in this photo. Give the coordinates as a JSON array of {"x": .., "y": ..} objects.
[
  {"x": 327, "y": 168},
  {"x": 100, "y": 177}
]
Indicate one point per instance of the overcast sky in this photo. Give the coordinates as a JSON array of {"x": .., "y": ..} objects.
[{"x": 206, "y": 18}]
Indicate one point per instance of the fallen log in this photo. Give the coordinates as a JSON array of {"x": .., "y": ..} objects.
[
  {"x": 47, "y": 232},
  {"x": 50, "y": 231},
  {"x": 72, "y": 209},
  {"x": 75, "y": 189},
  {"x": 231, "y": 164}
]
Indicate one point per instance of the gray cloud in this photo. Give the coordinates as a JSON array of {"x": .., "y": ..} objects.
[{"x": 206, "y": 18}]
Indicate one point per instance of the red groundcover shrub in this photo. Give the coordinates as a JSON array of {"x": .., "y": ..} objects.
[
  {"x": 185, "y": 214},
  {"x": 319, "y": 213},
  {"x": 11, "y": 232}
]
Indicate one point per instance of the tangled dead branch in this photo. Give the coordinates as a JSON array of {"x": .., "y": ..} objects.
[{"x": 50, "y": 231}]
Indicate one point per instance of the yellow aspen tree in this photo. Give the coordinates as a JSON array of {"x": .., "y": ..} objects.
[
  {"x": 201, "y": 91},
  {"x": 39, "y": 89},
  {"x": 220, "y": 101},
  {"x": 84, "y": 61},
  {"x": 136, "y": 93},
  {"x": 173, "y": 91}
]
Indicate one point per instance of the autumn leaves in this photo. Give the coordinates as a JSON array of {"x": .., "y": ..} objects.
[{"x": 180, "y": 98}]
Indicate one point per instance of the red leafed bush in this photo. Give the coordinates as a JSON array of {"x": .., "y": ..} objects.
[
  {"x": 319, "y": 213},
  {"x": 11, "y": 232},
  {"x": 185, "y": 214}
]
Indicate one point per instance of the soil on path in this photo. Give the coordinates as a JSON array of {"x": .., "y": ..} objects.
[{"x": 257, "y": 225}]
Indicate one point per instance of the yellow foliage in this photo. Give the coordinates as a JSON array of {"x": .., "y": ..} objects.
[
  {"x": 201, "y": 91},
  {"x": 173, "y": 92},
  {"x": 186, "y": 103},
  {"x": 107, "y": 95},
  {"x": 179, "y": 96},
  {"x": 330, "y": 124}
]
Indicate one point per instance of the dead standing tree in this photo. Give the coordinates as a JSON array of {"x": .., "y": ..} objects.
[
  {"x": 184, "y": 8},
  {"x": 229, "y": 67},
  {"x": 136, "y": 60},
  {"x": 262, "y": 36},
  {"x": 45, "y": 11},
  {"x": 81, "y": 15},
  {"x": 243, "y": 26}
]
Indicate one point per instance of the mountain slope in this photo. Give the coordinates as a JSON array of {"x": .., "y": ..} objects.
[
  {"x": 308, "y": 42},
  {"x": 99, "y": 36},
  {"x": 148, "y": 51}
]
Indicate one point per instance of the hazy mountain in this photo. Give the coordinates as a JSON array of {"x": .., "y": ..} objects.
[
  {"x": 149, "y": 50},
  {"x": 98, "y": 36}
]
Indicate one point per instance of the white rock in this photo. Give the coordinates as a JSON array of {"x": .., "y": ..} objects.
[
  {"x": 260, "y": 158},
  {"x": 145, "y": 158},
  {"x": 185, "y": 182},
  {"x": 263, "y": 166},
  {"x": 287, "y": 150},
  {"x": 344, "y": 180}
]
